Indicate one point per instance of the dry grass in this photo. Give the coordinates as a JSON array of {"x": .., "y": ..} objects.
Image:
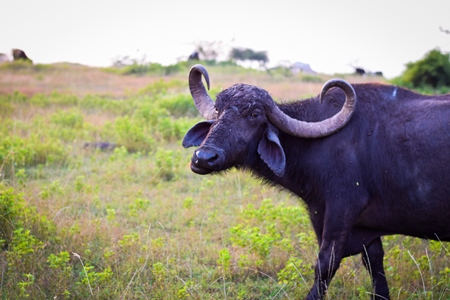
[
  {"x": 81, "y": 80},
  {"x": 72, "y": 79}
]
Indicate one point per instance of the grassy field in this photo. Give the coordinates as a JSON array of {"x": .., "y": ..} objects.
[{"x": 133, "y": 222}]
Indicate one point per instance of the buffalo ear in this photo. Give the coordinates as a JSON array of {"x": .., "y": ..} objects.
[
  {"x": 196, "y": 135},
  {"x": 272, "y": 153}
]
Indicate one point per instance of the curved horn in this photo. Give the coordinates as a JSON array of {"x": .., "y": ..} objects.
[
  {"x": 203, "y": 102},
  {"x": 316, "y": 129}
]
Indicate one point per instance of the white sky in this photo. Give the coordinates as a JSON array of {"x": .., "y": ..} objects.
[{"x": 330, "y": 35}]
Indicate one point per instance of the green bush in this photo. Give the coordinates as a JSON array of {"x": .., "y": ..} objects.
[
  {"x": 10, "y": 208},
  {"x": 161, "y": 87},
  {"x": 18, "y": 65},
  {"x": 71, "y": 119},
  {"x": 268, "y": 236},
  {"x": 430, "y": 73},
  {"x": 168, "y": 164},
  {"x": 311, "y": 78},
  {"x": 93, "y": 103},
  {"x": 132, "y": 135},
  {"x": 16, "y": 151},
  {"x": 169, "y": 129},
  {"x": 180, "y": 105},
  {"x": 41, "y": 100},
  {"x": 142, "y": 69},
  {"x": 16, "y": 98}
]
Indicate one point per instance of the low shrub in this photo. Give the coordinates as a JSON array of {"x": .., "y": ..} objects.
[
  {"x": 180, "y": 105},
  {"x": 430, "y": 74},
  {"x": 132, "y": 135}
]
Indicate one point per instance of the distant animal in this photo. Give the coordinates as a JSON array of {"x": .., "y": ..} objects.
[
  {"x": 20, "y": 55},
  {"x": 367, "y": 159},
  {"x": 378, "y": 73},
  {"x": 194, "y": 56},
  {"x": 360, "y": 71}
]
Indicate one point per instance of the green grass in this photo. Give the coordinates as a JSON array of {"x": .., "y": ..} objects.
[{"x": 135, "y": 223}]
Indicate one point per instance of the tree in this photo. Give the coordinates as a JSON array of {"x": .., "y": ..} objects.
[
  {"x": 433, "y": 70},
  {"x": 246, "y": 54}
]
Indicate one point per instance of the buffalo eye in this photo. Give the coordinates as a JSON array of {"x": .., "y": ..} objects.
[{"x": 255, "y": 115}]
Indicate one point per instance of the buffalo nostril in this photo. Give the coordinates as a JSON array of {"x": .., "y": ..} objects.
[{"x": 205, "y": 156}]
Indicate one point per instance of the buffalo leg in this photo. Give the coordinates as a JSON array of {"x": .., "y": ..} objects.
[
  {"x": 330, "y": 256},
  {"x": 372, "y": 257},
  {"x": 333, "y": 237}
]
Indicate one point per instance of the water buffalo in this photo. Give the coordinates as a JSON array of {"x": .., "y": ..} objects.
[
  {"x": 360, "y": 71},
  {"x": 367, "y": 159},
  {"x": 194, "y": 56},
  {"x": 20, "y": 55}
]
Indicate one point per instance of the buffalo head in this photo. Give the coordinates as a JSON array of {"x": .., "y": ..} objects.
[{"x": 243, "y": 125}]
